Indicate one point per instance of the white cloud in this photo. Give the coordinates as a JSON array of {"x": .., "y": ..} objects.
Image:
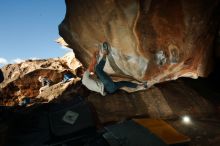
[
  {"x": 34, "y": 58},
  {"x": 17, "y": 60},
  {"x": 3, "y": 61}
]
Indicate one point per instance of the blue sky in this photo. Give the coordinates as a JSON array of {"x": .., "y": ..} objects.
[{"x": 29, "y": 28}]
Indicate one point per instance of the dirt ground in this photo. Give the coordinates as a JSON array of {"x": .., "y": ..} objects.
[{"x": 203, "y": 131}]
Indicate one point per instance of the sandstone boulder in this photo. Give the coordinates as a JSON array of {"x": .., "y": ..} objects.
[
  {"x": 22, "y": 79},
  {"x": 154, "y": 40}
]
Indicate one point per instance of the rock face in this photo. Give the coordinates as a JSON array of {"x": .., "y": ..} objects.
[
  {"x": 155, "y": 40},
  {"x": 217, "y": 46},
  {"x": 22, "y": 79},
  {"x": 168, "y": 100}
]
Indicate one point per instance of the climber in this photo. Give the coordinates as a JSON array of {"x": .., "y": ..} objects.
[
  {"x": 104, "y": 83},
  {"x": 68, "y": 75},
  {"x": 90, "y": 80},
  {"x": 45, "y": 82}
]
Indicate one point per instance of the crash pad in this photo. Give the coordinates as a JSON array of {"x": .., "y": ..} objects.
[{"x": 163, "y": 130}]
